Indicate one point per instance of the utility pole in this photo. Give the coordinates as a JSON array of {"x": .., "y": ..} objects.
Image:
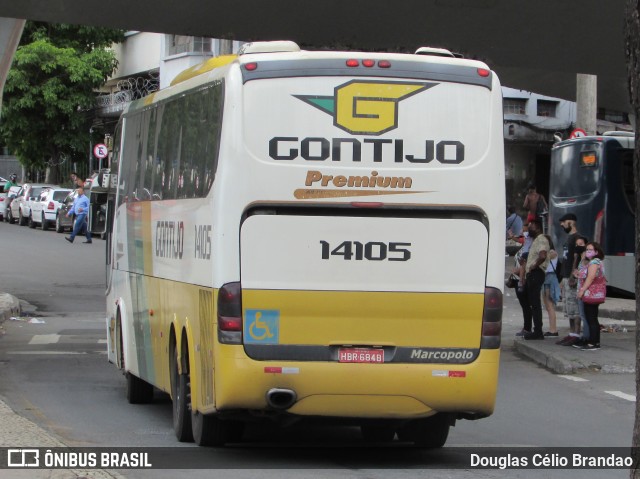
[{"x": 586, "y": 102}]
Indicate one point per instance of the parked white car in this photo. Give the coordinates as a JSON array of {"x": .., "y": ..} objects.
[
  {"x": 20, "y": 207},
  {"x": 3, "y": 198},
  {"x": 45, "y": 209}
]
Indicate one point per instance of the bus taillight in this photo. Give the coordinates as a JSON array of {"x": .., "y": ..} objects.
[
  {"x": 598, "y": 230},
  {"x": 230, "y": 314},
  {"x": 491, "y": 319}
]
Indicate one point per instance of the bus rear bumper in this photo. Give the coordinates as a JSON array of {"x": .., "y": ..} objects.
[{"x": 391, "y": 391}]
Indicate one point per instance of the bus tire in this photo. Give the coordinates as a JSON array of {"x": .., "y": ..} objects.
[
  {"x": 138, "y": 390},
  {"x": 429, "y": 433},
  {"x": 378, "y": 431},
  {"x": 208, "y": 430},
  {"x": 180, "y": 397}
]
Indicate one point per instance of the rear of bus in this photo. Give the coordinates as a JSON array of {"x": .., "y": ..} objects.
[
  {"x": 371, "y": 239},
  {"x": 592, "y": 177}
]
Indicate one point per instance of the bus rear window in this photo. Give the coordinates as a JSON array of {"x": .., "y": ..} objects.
[{"x": 575, "y": 169}]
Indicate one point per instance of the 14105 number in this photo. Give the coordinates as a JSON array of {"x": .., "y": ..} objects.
[{"x": 372, "y": 251}]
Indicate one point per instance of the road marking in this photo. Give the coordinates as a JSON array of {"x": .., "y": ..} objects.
[
  {"x": 621, "y": 395},
  {"x": 45, "y": 339},
  {"x": 573, "y": 378},
  {"x": 46, "y": 352},
  {"x": 102, "y": 341}
]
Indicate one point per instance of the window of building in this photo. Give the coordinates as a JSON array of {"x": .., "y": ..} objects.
[
  {"x": 514, "y": 106},
  {"x": 547, "y": 108},
  {"x": 177, "y": 44}
]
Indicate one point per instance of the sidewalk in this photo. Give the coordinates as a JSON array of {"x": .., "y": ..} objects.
[{"x": 618, "y": 352}]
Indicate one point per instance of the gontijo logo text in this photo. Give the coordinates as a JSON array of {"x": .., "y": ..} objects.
[{"x": 365, "y": 108}]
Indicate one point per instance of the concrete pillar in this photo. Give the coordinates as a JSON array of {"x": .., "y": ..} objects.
[
  {"x": 586, "y": 102},
  {"x": 10, "y": 33}
]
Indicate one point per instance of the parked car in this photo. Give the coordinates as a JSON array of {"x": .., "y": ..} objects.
[
  {"x": 62, "y": 221},
  {"x": 3, "y": 197},
  {"x": 20, "y": 207},
  {"x": 45, "y": 209},
  {"x": 4, "y": 205}
]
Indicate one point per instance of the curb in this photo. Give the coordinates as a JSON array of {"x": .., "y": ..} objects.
[
  {"x": 561, "y": 365},
  {"x": 9, "y": 306},
  {"x": 553, "y": 363}
]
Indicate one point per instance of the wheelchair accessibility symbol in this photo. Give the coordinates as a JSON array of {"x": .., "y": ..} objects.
[{"x": 262, "y": 326}]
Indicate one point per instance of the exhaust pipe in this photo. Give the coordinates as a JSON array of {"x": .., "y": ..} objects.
[{"x": 281, "y": 399}]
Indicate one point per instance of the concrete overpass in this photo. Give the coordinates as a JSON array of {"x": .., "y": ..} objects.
[{"x": 536, "y": 45}]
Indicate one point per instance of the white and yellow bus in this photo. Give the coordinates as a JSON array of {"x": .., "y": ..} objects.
[{"x": 312, "y": 234}]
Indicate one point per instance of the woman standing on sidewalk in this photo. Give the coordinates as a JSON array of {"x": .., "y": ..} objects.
[
  {"x": 595, "y": 255},
  {"x": 551, "y": 290}
]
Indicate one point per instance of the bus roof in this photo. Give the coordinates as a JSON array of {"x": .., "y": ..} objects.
[
  {"x": 286, "y": 63},
  {"x": 626, "y": 139}
]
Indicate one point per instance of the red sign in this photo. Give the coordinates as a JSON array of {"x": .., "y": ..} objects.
[
  {"x": 100, "y": 151},
  {"x": 578, "y": 133}
]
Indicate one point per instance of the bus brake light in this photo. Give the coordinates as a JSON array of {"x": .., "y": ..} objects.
[
  {"x": 491, "y": 319},
  {"x": 230, "y": 313},
  {"x": 598, "y": 230}
]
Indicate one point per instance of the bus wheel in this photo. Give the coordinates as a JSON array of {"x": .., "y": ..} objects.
[
  {"x": 431, "y": 432},
  {"x": 378, "y": 431},
  {"x": 138, "y": 391},
  {"x": 208, "y": 430},
  {"x": 180, "y": 396}
]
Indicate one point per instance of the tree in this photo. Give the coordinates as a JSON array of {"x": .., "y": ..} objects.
[
  {"x": 50, "y": 92},
  {"x": 632, "y": 44}
]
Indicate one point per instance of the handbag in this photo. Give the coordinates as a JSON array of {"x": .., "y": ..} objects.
[
  {"x": 512, "y": 281},
  {"x": 597, "y": 291}
]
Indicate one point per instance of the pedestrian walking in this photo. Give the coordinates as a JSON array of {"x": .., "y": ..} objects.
[
  {"x": 537, "y": 262},
  {"x": 535, "y": 204},
  {"x": 81, "y": 209}
]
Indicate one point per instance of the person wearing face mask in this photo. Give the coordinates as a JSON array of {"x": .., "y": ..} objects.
[
  {"x": 581, "y": 270},
  {"x": 537, "y": 263},
  {"x": 595, "y": 269},
  {"x": 569, "y": 287}
]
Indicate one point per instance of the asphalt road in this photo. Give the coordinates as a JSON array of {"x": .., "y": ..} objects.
[{"x": 55, "y": 373}]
